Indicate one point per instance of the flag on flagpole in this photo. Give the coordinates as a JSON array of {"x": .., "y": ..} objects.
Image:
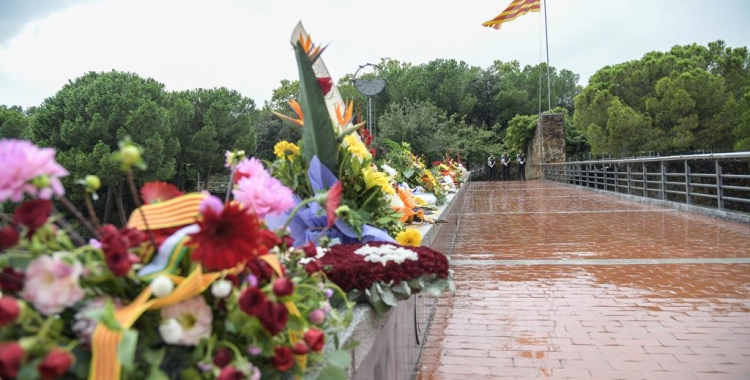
[{"x": 515, "y": 10}]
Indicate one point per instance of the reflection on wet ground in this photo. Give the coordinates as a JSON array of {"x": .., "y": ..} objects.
[{"x": 660, "y": 300}]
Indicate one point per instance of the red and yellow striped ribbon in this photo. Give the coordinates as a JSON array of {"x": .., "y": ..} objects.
[
  {"x": 175, "y": 212},
  {"x": 515, "y": 10}
]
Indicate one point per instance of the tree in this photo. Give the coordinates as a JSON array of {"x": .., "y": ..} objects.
[
  {"x": 421, "y": 124},
  {"x": 13, "y": 122},
  {"x": 88, "y": 117}
]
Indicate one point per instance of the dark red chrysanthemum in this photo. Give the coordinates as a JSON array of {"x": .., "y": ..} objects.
[
  {"x": 158, "y": 191},
  {"x": 350, "y": 271},
  {"x": 116, "y": 245},
  {"x": 33, "y": 214},
  {"x": 11, "y": 280},
  {"x": 332, "y": 202},
  {"x": 230, "y": 238},
  {"x": 8, "y": 237}
]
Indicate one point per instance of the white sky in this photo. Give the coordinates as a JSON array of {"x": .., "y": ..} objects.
[{"x": 243, "y": 45}]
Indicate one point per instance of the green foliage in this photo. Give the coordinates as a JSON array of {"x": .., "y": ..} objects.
[
  {"x": 422, "y": 124},
  {"x": 13, "y": 123},
  {"x": 681, "y": 100},
  {"x": 317, "y": 134},
  {"x": 520, "y": 132}
]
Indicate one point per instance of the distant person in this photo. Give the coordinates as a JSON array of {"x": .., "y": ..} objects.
[
  {"x": 521, "y": 165},
  {"x": 491, "y": 163},
  {"x": 505, "y": 165}
]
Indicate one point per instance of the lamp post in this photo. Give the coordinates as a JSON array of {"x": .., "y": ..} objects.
[{"x": 369, "y": 88}]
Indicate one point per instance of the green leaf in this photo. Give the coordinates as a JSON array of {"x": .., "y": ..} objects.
[
  {"x": 318, "y": 136},
  {"x": 157, "y": 374},
  {"x": 126, "y": 348},
  {"x": 388, "y": 297},
  {"x": 402, "y": 288},
  {"x": 340, "y": 358},
  {"x": 408, "y": 173},
  {"x": 332, "y": 373},
  {"x": 350, "y": 345},
  {"x": 106, "y": 315}
]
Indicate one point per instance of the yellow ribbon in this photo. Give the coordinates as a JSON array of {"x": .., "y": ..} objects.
[{"x": 105, "y": 365}]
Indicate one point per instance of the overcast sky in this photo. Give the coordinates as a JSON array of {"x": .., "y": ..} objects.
[{"x": 244, "y": 44}]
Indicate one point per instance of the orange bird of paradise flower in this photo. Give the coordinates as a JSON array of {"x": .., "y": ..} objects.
[{"x": 296, "y": 107}]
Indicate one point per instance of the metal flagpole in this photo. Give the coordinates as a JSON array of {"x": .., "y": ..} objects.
[{"x": 546, "y": 41}]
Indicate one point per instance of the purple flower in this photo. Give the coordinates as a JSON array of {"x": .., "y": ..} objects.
[
  {"x": 262, "y": 193},
  {"x": 252, "y": 280},
  {"x": 23, "y": 162},
  {"x": 329, "y": 293},
  {"x": 254, "y": 350}
]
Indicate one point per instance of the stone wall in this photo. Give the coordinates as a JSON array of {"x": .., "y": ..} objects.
[{"x": 548, "y": 144}]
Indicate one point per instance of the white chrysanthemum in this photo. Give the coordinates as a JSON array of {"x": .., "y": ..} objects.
[
  {"x": 221, "y": 288},
  {"x": 171, "y": 331},
  {"x": 319, "y": 255},
  {"x": 162, "y": 286},
  {"x": 385, "y": 253},
  {"x": 390, "y": 170}
]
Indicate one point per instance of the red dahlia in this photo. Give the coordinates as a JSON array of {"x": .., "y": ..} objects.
[
  {"x": 157, "y": 191},
  {"x": 230, "y": 238}
]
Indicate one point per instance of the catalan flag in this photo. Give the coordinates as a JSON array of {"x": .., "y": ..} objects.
[{"x": 515, "y": 10}]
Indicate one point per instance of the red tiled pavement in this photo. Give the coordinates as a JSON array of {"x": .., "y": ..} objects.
[{"x": 569, "y": 320}]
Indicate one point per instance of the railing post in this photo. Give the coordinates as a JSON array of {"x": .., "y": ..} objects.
[
  {"x": 663, "y": 181},
  {"x": 645, "y": 185},
  {"x": 617, "y": 180},
  {"x": 629, "y": 174},
  {"x": 687, "y": 183},
  {"x": 719, "y": 184}
]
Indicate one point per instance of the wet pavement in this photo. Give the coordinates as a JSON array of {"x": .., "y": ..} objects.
[{"x": 557, "y": 282}]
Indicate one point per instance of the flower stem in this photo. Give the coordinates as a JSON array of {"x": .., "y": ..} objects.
[
  {"x": 64, "y": 223},
  {"x": 370, "y": 198},
  {"x": 137, "y": 201},
  {"x": 92, "y": 213},
  {"x": 229, "y": 185}
]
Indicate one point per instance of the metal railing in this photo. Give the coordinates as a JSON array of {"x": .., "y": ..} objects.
[{"x": 720, "y": 181}]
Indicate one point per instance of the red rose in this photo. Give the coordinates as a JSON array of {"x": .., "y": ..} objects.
[
  {"x": 55, "y": 364},
  {"x": 283, "y": 360},
  {"x": 262, "y": 271},
  {"x": 274, "y": 318},
  {"x": 11, "y": 358},
  {"x": 300, "y": 348},
  {"x": 230, "y": 373},
  {"x": 222, "y": 357},
  {"x": 325, "y": 85},
  {"x": 9, "y": 310},
  {"x": 33, "y": 214},
  {"x": 116, "y": 244},
  {"x": 8, "y": 237},
  {"x": 283, "y": 287},
  {"x": 315, "y": 339},
  {"x": 11, "y": 280},
  {"x": 252, "y": 301}
]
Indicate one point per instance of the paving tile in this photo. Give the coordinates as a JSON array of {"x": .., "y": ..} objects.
[{"x": 556, "y": 282}]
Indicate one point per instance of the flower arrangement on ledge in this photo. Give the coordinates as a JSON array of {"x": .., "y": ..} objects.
[{"x": 196, "y": 287}]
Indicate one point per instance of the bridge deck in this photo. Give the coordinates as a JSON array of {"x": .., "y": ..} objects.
[{"x": 563, "y": 283}]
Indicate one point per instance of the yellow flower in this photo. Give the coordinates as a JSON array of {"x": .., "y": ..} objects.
[
  {"x": 376, "y": 178},
  {"x": 356, "y": 147},
  {"x": 409, "y": 236},
  {"x": 285, "y": 149}
]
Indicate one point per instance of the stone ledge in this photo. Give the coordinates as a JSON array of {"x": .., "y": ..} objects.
[{"x": 388, "y": 344}]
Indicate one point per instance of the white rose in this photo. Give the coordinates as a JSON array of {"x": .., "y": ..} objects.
[
  {"x": 162, "y": 286},
  {"x": 221, "y": 288},
  {"x": 171, "y": 331}
]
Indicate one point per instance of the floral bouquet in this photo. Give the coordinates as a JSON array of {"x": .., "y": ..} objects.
[
  {"x": 384, "y": 273},
  {"x": 193, "y": 287},
  {"x": 404, "y": 166}
]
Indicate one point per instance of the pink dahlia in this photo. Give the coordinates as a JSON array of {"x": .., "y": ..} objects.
[
  {"x": 24, "y": 162},
  {"x": 248, "y": 168},
  {"x": 264, "y": 195}
]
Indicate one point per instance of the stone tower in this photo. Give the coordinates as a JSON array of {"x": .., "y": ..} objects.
[{"x": 548, "y": 144}]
